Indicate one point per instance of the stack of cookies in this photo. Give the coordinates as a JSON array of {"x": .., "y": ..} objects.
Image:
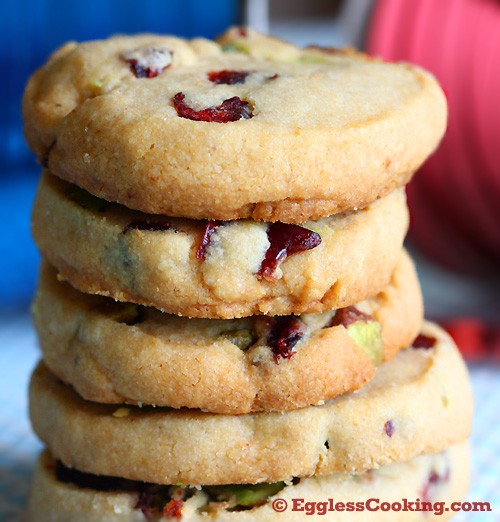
[{"x": 230, "y": 327}]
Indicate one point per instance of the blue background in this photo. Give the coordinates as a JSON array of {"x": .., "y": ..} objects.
[{"x": 29, "y": 32}]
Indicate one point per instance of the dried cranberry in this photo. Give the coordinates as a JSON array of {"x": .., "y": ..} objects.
[
  {"x": 232, "y": 109},
  {"x": 273, "y": 77},
  {"x": 348, "y": 315},
  {"x": 148, "y": 62},
  {"x": 152, "y": 226},
  {"x": 285, "y": 240},
  {"x": 140, "y": 71},
  {"x": 242, "y": 31},
  {"x": 433, "y": 480},
  {"x": 210, "y": 228},
  {"x": 228, "y": 77},
  {"x": 424, "y": 342},
  {"x": 145, "y": 503},
  {"x": 285, "y": 333},
  {"x": 173, "y": 508},
  {"x": 389, "y": 428}
]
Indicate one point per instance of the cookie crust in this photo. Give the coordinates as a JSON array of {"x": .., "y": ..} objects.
[
  {"x": 92, "y": 248},
  {"x": 425, "y": 394},
  {"x": 332, "y": 131},
  {"x": 54, "y": 501},
  {"x": 121, "y": 353}
]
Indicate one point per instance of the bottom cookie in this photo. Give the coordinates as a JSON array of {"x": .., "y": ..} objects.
[{"x": 424, "y": 487}]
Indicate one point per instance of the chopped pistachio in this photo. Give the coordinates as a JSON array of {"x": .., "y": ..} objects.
[
  {"x": 368, "y": 336},
  {"x": 245, "y": 494},
  {"x": 235, "y": 47},
  {"x": 311, "y": 58},
  {"x": 97, "y": 87}
]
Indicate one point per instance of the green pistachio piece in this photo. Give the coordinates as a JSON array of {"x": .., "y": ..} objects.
[
  {"x": 236, "y": 47},
  {"x": 368, "y": 336},
  {"x": 312, "y": 58},
  {"x": 96, "y": 87},
  {"x": 246, "y": 494}
]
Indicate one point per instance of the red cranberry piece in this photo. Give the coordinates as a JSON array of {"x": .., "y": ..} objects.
[
  {"x": 173, "y": 508},
  {"x": 348, "y": 315},
  {"x": 148, "y": 62},
  {"x": 242, "y": 31},
  {"x": 228, "y": 77},
  {"x": 285, "y": 240},
  {"x": 285, "y": 333},
  {"x": 232, "y": 109},
  {"x": 211, "y": 227},
  {"x": 389, "y": 428},
  {"x": 145, "y": 503},
  {"x": 424, "y": 342},
  {"x": 433, "y": 480},
  {"x": 152, "y": 226}
]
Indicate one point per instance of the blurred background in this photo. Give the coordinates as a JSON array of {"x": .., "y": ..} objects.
[
  {"x": 29, "y": 32},
  {"x": 454, "y": 199}
]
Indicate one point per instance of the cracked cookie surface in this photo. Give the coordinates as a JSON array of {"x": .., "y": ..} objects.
[
  {"x": 420, "y": 402},
  {"x": 249, "y": 126},
  {"x": 119, "y": 352},
  {"x": 107, "y": 249}
]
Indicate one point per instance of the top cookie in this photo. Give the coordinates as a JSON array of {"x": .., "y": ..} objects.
[{"x": 249, "y": 126}]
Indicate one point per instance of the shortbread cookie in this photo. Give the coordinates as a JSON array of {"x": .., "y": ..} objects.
[
  {"x": 116, "y": 352},
  {"x": 225, "y": 270},
  {"x": 420, "y": 402},
  {"x": 249, "y": 127},
  {"x": 59, "y": 494}
]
